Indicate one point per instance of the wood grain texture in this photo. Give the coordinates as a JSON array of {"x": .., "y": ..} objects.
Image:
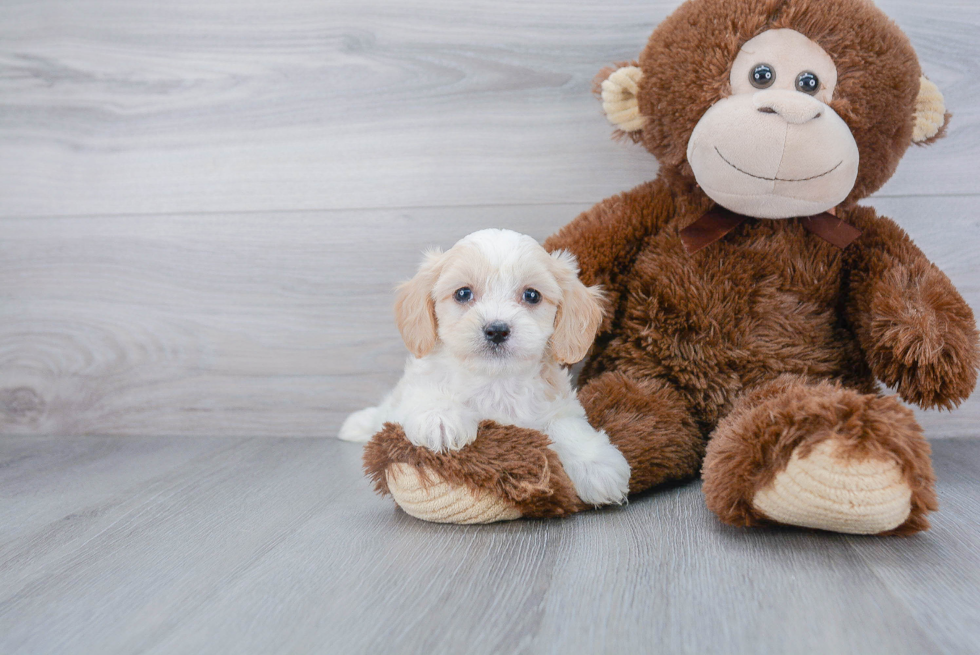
[
  {"x": 180, "y": 545},
  {"x": 266, "y": 324},
  {"x": 136, "y": 106},
  {"x": 161, "y": 271}
]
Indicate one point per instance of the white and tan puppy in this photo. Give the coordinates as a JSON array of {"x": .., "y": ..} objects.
[{"x": 490, "y": 323}]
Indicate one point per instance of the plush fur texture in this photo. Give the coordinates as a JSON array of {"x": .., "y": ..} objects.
[
  {"x": 771, "y": 339},
  {"x": 789, "y": 414},
  {"x": 875, "y": 95},
  {"x": 650, "y": 423},
  {"x": 513, "y": 463}
]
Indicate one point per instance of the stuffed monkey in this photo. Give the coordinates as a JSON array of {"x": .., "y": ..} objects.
[{"x": 755, "y": 305}]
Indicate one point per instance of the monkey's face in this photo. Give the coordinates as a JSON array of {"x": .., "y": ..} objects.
[
  {"x": 774, "y": 148},
  {"x": 766, "y": 105}
]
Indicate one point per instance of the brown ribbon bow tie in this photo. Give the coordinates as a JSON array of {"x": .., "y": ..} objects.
[{"x": 718, "y": 221}]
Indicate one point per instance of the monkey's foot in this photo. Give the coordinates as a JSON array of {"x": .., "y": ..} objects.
[
  {"x": 819, "y": 455},
  {"x": 422, "y": 494},
  {"x": 825, "y": 489},
  {"x": 507, "y": 473}
]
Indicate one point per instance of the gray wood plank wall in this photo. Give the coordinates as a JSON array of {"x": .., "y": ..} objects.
[{"x": 204, "y": 204}]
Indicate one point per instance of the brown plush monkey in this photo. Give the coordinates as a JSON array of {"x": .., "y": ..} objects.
[{"x": 754, "y": 303}]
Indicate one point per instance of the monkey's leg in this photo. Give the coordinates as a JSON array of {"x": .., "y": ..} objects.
[
  {"x": 648, "y": 420},
  {"x": 819, "y": 455}
]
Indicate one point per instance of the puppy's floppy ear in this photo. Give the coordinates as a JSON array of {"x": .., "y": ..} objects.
[
  {"x": 579, "y": 312},
  {"x": 931, "y": 117},
  {"x": 415, "y": 308}
]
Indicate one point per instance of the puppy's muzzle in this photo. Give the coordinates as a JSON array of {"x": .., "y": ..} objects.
[{"x": 496, "y": 332}]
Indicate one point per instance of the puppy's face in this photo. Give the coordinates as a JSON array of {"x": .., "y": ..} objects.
[{"x": 498, "y": 300}]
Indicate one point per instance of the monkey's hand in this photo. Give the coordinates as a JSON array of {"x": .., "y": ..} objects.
[{"x": 924, "y": 341}]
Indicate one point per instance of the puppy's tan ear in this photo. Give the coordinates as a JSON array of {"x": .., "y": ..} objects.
[
  {"x": 931, "y": 117},
  {"x": 579, "y": 312},
  {"x": 415, "y": 308}
]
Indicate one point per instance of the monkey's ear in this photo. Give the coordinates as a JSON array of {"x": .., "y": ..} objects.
[
  {"x": 931, "y": 117},
  {"x": 619, "y": 89}
]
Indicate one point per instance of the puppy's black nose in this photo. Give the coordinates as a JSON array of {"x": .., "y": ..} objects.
[{"x": 497, "y": 332}]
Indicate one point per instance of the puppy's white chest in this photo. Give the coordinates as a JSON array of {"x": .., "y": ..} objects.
[{"x": 513, "y": 402}]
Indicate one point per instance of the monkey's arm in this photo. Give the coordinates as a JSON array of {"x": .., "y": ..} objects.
[
  {"x": 918, "y": 333},
  {"x": 606, "y": 238}
]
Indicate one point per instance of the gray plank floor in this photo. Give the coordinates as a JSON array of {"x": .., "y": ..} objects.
[
  {"x": 204, "y": 206},
  {"x": 192, "y": 545}
]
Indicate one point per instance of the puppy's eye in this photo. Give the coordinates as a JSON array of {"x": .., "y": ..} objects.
[
  {"x": 807, "y": 82},
  {"x": 532, "y": 296},
  {"x": 762, "y": 76},
  {"x": 463, "y": 295}
]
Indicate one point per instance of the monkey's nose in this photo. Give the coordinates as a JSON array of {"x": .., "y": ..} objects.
[
  {"x": 497, "y": 332},
  {"x": 792, "y": 106}
]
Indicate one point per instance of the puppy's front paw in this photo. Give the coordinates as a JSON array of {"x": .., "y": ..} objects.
[
  {"x": 603, "y": 479},
  {"x": 439, "y": 431}
]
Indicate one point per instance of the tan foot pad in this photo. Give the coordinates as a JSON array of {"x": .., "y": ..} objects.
[
  {"x": 828, "y": 492},
  {"x": 440, "y": 502}
]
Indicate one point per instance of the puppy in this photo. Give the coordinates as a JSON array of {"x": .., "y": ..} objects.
[{"x": 490, "y": 323}]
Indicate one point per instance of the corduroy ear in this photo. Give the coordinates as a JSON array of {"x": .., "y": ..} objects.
[
  {"x": 931, "y": 117},
  {"x": 619, "y": 99},
  {"x": 415, "y": 308}
]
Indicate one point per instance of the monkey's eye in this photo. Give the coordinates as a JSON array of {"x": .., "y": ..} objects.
[
  {"x": 762, "y": 76},
  {"x": 463, "y": 295},
  {"x": 532, "y": 296},
  {"x": 807, "y": 82}
]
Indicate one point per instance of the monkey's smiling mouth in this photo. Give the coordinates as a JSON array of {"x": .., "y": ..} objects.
[{"x": 777, "y": 179}]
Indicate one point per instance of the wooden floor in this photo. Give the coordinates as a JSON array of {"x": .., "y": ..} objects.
[
  {"x": 204, "y": 206},
  {"x": 201, "y": 545}
]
